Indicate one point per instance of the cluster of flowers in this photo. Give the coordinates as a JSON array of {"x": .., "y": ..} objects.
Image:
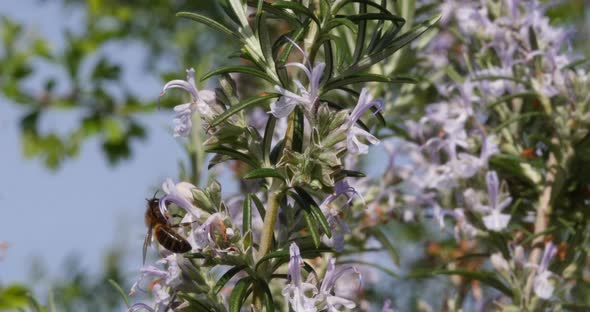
[
  {"x": 204, "y": 228},
  {"x": 487, "y": 59}
]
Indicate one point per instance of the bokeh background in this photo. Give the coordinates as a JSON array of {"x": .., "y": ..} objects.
[{"x": 82, "y": 143}]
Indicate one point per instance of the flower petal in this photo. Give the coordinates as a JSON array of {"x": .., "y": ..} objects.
[{"x": 496, "y": 221}]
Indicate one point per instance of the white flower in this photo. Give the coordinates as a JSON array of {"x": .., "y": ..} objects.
[
  {"x": 179, "y": 194},
  {"x": 304, "y": 297},
  {"x": 335, "y": 303},
  {"x": 495, "y": 220},
  {"x": 201, "y": 236},
  {"x": 184, "y": 112},
  {"x": 354, "y": 144},
  {"x": 542, "y": 285},
  {"x": 301, "y": 295},
  {"x": 307, "y": 96}
]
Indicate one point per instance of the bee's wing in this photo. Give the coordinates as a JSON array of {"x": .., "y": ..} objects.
[{"x": 147, "y": 242}]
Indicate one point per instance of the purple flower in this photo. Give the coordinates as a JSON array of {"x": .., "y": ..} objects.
[
  {"x": 495, "y": 220},
  {"x": 140, "y": 306},
  {"x": 337, "y": 226},
  {"x": 301, "y": 295},
  {"x": 335, "y": 303},
  {"x": 304, "y": 297},
  {"x": 307, "y": 96},
  {"x": 462, "y": 227},
  {"x": 354, "y": 144},
  {"x": 184, "y": 112},
  {"x": 179, "y": 194},
  {"x": 542, "y": 285},
  {"x": 202, "y": 236}
]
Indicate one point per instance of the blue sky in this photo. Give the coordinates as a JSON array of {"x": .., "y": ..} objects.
[{"x": 86, "y": 206}]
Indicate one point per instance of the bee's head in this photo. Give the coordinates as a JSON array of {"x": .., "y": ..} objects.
[{"x": 154, "y": 199}]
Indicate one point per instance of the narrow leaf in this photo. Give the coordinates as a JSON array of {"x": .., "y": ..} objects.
[
  {"x": 382, "y": 238},
  {"x": 226, "y": 277},
  {"x": 488, "y": 278},
  {"x": 312, "y": 227},
  {"x": 238, "y": 295},
  {"x": 209, "y": 22},
  {"x": 315, "y": 210},
  {"x": 233, "y": 154},
  {"x": 242, "y": 105},
  {"x": 267, "y": 141},
  {"x": 264, "y": 173},
  {"x": 269, "y": 303},
  {"x": 259, "y": 205},
  {"x": 247, "y": 214},
  {"x": 116, "y": 286},
  {"x": 362, "y": 78},
  {"x": 239, "y": 69},
  {"x": 297, "y": 8},
  {"x": 399, "y": 43}
]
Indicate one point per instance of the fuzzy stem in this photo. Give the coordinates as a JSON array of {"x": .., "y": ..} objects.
[
  {"x": 541, "y": 221},
  {"x": 270, "y": 219}
]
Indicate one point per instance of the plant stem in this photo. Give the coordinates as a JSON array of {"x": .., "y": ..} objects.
[
  {"x": 541, "y": 220},
  {"x": 272, "y": 210}
]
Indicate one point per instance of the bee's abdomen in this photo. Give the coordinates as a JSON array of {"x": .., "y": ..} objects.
[{"x": 171, "y": 240}]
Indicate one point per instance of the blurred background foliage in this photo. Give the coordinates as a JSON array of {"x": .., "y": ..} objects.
[{"x": 83, "y": 79}]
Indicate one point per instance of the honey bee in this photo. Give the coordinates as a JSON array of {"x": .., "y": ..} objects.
[{"x": 165, "y": 234}]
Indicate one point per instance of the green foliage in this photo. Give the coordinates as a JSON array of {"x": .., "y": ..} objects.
[{"x": 109, "y": 107}]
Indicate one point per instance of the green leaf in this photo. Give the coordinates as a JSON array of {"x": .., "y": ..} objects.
[
  {"x": 298, "y": 135},
  {"x": 234, "y": 154},
  {"x": 362, "y": 78},
  {"x": 312, "y": 227},
  {"x": 267, "y": 141},
  {"x": 309, "y": 203},
  {"x": 486, "y": 277},
  {"x": 264, "y": 39},
  {"x": 329, "y": 60},
  {"x": 238, "y": 295},
  {"x": 242, "y": 105},
  {"x": 239, "y": 69},
  {"x": 377, "y": 16},
  {"x": 120, "y": 291},
  {"x": 397, "y": 44},
  {"x": 259, "y": 205},
  {"x": 297, "y": 8},
  {"x": 196, "y": 304},
  {"x": 264, "y": 173},
  {"x": 576, "y": 63},
  {"x": 509, "y": 97},
  {"x": 13, "y": 297},
  {"x": 362, "y": 33},
  {"x": 382, "y": 238},
  {"x": 515, "y": 166},
  {"x": 209, "y": 22},
  {"x": 269, "y": 303},
  {"x": 279, "y": 13},
  {"x": 247, "y": 215},
  {"x": 340, "y": 5},
  {"x": 516, "y": 118},
  {"x": 348, "y": 173},
  {"x": 276, "y": 152},
  {"x": 226, "y": 277}
]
